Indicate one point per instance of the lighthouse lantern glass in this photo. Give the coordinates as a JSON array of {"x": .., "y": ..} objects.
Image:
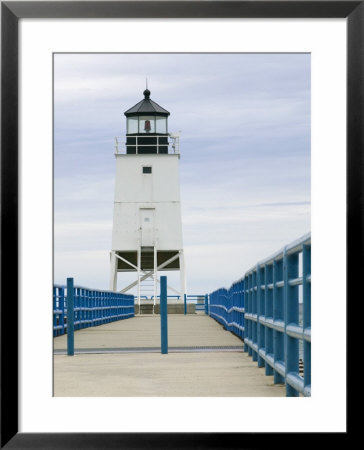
[
  {"x": 161, "y": 125},
  {"x": 132, "y": 125},
  {"x": 146, "y": 124}
]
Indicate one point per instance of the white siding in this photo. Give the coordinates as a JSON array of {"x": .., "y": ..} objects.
[{"x": 135, "y": 190}]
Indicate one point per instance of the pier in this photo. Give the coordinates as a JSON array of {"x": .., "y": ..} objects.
[
  {"x": 251, "y": 340},
  {"x": 123, "y": 358}
]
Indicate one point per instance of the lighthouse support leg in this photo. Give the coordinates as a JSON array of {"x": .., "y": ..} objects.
[
  {"x": 113, "y": 272},
  {"x": 149, "y": 274}
]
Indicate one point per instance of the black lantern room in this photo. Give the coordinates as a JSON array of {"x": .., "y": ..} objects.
[{"x": 146, "y": 127}]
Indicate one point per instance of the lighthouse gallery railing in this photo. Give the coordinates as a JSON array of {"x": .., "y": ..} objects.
[
  {"x": 267, "y": 310},
  {"x": 172, "y": 141}
]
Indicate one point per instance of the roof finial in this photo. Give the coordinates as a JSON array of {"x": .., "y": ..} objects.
[{"x": 147, "y": 91}]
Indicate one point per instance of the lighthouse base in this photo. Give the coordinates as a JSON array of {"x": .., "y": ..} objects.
[{"x": 146, "y": 307}]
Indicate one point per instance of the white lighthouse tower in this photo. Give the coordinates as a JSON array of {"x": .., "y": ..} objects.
[{"x": 147, "y": 228}]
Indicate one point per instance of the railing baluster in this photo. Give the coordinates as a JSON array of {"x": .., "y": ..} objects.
[
  {"x": 306, "y": 288},
  {"x": 55, "y": 316},
  {"x": 70, "y": 317},
  {"x": 260, "y": 313},
  {"x": 254, "y": 312},
  {"x": 268, "y": 298},
  {"x": 62, "y": 308},
  {"x": 91, "y": 308},
  {"x": 250, "y": 310},
  {"x": 242, "y": 306},
  {"x": 290, "y": 268},
  {"x": 278, "y": 315}
]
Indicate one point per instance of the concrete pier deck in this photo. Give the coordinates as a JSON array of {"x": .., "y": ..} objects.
[{"x": 123, "y": 361}]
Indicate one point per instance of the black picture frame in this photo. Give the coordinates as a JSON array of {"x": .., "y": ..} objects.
[{"x": 11, "y": 12}]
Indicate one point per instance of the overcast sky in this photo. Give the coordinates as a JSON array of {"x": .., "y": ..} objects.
[{"x": 244, "y": 167}]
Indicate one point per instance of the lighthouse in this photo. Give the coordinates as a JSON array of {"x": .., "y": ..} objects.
[{"x": 147, "y": 227}]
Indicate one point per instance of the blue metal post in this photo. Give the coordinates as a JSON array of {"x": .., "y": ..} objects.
[
  {"x": 242, "y": 305},
  {"x": 290, "y": 270},
  {"x": 222, "y": 301},
  {"x": 79, "y": 298},
  {"x": 246, "y": 309},
  {"x": 278, "y": 318},
  {"x": 255, "y": 315},
  {"x": 306, "y": 266},
  {"x": 55, "y": 331},
  {"x": 163, "y": 314},
  {"x": 233, "y": 313},
  {"x": 268, "y": 294},
  {"x": 206, "y": 304},
  {"x": 249, "y": 310},
  {"x": 260, "y": 312},
  {"x": 87, "y": 305},
  {"x": 185, "y": 303},
  {"x": 61, "y": 304},
  {"x": 82, "y": 302},
  {"x": 229, "y": 307},
  {"x": 70, "y": 318},
  {"x": 93, "y": 311}
]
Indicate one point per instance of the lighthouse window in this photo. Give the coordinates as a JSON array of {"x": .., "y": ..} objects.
[
  {"x": 161, "y": 125},
  {"x": 146, "y": 124},
  {"x": 147, "y": 169},
  {"x": 132, "y": 125}
]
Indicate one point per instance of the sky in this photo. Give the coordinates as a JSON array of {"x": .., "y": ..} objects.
[{"x": 244, "y": 123}]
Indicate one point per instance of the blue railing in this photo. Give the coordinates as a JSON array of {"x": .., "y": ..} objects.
[
  {"x": 277, "y": 314},
  {"x": 198, "y": 300},
  {"x": 227, "y": 307},
  {"x": 92, "y": 307}
]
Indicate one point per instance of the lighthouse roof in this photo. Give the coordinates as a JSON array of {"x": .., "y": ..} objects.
[{"x": 146, "y": 106}]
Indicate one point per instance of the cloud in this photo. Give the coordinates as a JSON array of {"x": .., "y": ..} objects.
[{"x": 245, "y": 156}]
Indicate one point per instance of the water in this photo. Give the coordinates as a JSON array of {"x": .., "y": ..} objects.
[{"x": 300, "y": 349}]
